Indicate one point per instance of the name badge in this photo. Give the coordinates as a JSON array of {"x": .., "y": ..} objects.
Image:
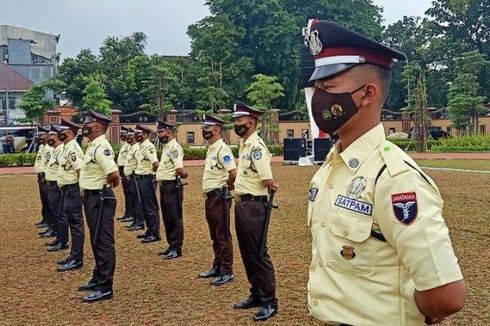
[{"x": 354, "y": 205}]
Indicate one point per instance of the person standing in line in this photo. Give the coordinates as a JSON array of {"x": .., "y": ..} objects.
[{"x": 218, "y": 177}]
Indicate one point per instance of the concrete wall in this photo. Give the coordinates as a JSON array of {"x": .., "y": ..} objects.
[{"x": 45, "y": 43}]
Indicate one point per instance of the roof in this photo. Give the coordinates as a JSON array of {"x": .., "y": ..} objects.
[{"x": 12, "y": 80}]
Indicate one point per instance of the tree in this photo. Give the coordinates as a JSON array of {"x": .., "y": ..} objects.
[
  {"x": 35, "y": 103},
  {"x": 262, "y": 93},
  {"x": 465, "y": 105},
  {"x": 95, "y": 96}
]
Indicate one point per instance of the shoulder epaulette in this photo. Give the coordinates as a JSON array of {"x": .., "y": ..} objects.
[{"x": 395, "y": 163}]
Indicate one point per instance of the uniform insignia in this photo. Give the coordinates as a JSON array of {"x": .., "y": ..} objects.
[
  {"x": 337, "y": 110},
  {"x": 107, "y": 152},
  {"x": 175, "y": 154},
  {"x": 347, "y": 252},
  {"x": 227, "y": 159},
  {"x": 354, "y": 205},
  {"x": 312, "y": 41},
  {"x": 356, "y": 188},
  {"x": 152, "y": 151},
  {"x": 246, "y": 156},
  {"x": 354, "y": 163},
  {"x": 73, "y": 157},
  {"x": 312, "y": 192},
  {"x": 326, "y": 114},
  {"x": 48, "y": 156},
  {"x": 257, "y": 154},
  {"x": 405, "y": 207}
]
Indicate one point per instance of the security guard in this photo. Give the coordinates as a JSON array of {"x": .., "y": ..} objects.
[
  {"x": 68, "y": 173},
  {"x": 98, "y": 175},
  {"x": 253, "y": 182},
  {"x": 381, "y": 253},
  {"x": 219, "y": 175},
  {"x": 134, "y": 195},
  {"x": 55, "y": 195},
  {"x": 121, "y": 161},
  {"x": 146, "y": 184},
  {"x": 169, "y": 173},
  {"x": 47, "y": 153},
  {"x": 40, "y": 139}
]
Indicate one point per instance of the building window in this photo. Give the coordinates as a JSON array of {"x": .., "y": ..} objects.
[
  {"x": 190, "y": 137},
  {"x": 53, "y": 119},
  {"x": 482, "y": 129},
  {"x": 290, "y": 133},
  {"x": 392, "y": 130}
]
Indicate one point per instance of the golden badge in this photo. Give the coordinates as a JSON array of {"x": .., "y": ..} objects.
[
  {"x": 337, "y": 110},
  {"x": 348, "y": 252}
]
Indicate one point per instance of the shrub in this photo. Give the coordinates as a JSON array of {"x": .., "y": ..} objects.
[{"x": 17, "y": 159}]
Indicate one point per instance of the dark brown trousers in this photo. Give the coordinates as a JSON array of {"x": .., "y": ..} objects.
[
  {"x": 104, "y": 250},
  {"x": 171, "y": 199},
  {"x": 217, "y": 210},
  {"x": 249, "y": 221}
]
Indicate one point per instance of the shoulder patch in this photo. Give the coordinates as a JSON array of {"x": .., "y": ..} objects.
[
  {"x": 257, "y": 154},
  {"x": 405, "y": 207},
  {"x": 73, "y": 157},
  {"x": 175, "y": 153},
  {"x": 107, "y": 152},
  {"x": 227, "y": 159}
]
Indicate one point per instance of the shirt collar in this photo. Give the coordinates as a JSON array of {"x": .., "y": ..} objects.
[
  {"x": 215, "y": 144},
  {"x": 357, "y": 152},
  {"x": 98, "y": 140},
  {"x": 251, "y": 139},
  {"x": 171, "y": 143}
]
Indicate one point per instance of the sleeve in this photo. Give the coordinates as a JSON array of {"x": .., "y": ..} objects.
[
  {"x": 177, "y": 157},
  {"x": 409, "y": 212},
  {"x": 105, "y": 157},
  {"x": 76, "y": 158},
  {"x": 151, "y": 154},
  {"x": 226, "y": 158},
  {"x": 262, "y": 161}
]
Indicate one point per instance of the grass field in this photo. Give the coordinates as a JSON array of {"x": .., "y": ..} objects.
[
  {"x": 150, "y": 291},
  {"x": 482, "y": 165}
]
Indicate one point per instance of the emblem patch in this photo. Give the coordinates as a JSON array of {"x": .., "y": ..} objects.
[
  {"x": 326, "y": 114},
  {"x": 347, "y": 252},
  {"x": 227, "y": 159},
  {"x": 354, "y": 205},
  {"x": 356, "y": 188},
  {"x": 175, "y": 154},
  {"x": 257, "y": 155},
  {"x": 337, "y": 110},
  {"x": 246, "y": 156},
  {"x": 312, "y": 192},
  {"x": 353, "y": 163},
  {"x": 405, "y": 207},
  {"x": 312, "y": 41},
  {"x": 73, "y": 157},
  {"x": 48, "y": 156},
  {"x": 107, "y": 152}
]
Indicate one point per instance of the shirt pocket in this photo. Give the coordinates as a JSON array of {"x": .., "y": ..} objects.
[{"x": 349, "y": 249}]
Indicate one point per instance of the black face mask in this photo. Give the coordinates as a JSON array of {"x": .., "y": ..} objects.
[
  {"x": 207, "y": 134},
  {"x": 62, "y": 137},
  {"x": 122, "y": 137},
  {"x": 50, "y": 142},
  {"x": 331, "y": 111},
  {"x": 241, "y": 130},
  {"x": 139, "y": 139},
  {"x": 86, "y": 130},
  {"x": 163, "y": 139},
  {"x": 129, "y": 140}
]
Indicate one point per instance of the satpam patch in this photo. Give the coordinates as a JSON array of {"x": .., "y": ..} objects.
[
  {"x": 354, "y": 205},
  {"x": 405, "y": 207},
  {"x": 227, "y": 159},
  {"x": 107, "y": 152},
  {"x": 257, "y": 155}
]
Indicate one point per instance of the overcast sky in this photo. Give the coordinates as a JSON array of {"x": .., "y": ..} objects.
[{"x": 86, "y": 23}]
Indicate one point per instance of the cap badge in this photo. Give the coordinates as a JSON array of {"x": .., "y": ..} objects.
[{"x": 312, "y": 41}]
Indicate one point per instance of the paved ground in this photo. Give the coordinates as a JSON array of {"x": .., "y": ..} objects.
[{"x": 277, "y": 159}]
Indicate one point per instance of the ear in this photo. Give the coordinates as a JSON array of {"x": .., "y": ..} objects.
[{"x": 371, "y": 92}]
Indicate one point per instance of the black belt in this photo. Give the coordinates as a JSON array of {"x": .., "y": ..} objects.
[
  {"x": 88, "y": 192},
  {"x": 143, "y": 176},
  {"x": 40, "y": 175},
  {"x": 66, "y": 187},
  {"x": 51, "y": 183},
  {"x": 169, "y": 181},
  {"x": 214, "y": 193},
  {"x": 260, "y": 199}
]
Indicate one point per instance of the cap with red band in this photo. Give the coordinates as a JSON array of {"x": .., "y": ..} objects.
[{"x": 337, "y": 49}]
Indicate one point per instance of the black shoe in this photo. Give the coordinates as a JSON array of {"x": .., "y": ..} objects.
[
  {"x": 164, "y": 253},
  {"x": 127, "y": 219},
  {"x": 223, "y": 279},
  {"x": 43, "y": 232},
  {"x": 151, "y": 238},
  {"x": 64, "y": 261},
  {"x": 265, "y": 312},
  {"x": 71, "y": 265},
  {"x": 58, "y": 247},
  {"x": 135, "y": 227},
  {"x": 48, "y": 234},
  {"x": 142, "y": 236},
  {"x": 121, "y": 218},
  {"x": 172, "y": 254},
  {"x": 247, "y": 303},
  {"x": 42, "y": 225},
  {"x": 52, "y": 243},
  {"x": 90, "y": 286},
  {"x": 98, "y": 296},
  {"x": 213, "y": 272}
]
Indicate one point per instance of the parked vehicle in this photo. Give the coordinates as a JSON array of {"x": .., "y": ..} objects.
[
  {"x": 23, "y": 136},
  {"x": 432, "y": 131}
]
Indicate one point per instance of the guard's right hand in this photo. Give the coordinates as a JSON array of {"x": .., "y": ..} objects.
[{"x": 113, "y": 179}]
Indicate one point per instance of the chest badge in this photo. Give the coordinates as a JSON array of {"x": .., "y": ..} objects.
[
  {"x": 353, "y": 163},
  {"x": 347, "y": 252},
  {"x": 312, "y": 192},
  {"x": 356, "y": 188}
]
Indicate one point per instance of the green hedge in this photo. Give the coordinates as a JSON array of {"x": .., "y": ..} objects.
[
  {"x": 412, "y": 145},
  {"x": 476, "y": 143},
  {"x": 17, "y": 159}
]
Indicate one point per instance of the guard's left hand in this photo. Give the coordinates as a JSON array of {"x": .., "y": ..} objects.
[
  {"x": 113, "y": 179},
  {"x": 274, "y": 187}
]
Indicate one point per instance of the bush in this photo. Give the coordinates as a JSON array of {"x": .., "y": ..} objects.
[
  {"x": 17, "y": 159},
  {"x": 475, "y": 143},
  {"x": 411, "y": 145}
]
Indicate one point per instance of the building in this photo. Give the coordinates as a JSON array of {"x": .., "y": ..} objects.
[
  {"x": 31, "y": 54},
  {"x": 13, "y": 86}
]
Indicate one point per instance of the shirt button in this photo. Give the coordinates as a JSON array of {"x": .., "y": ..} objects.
[
  {"x": 330, "y": 186},
  {"x": 346, "y": 233},
  {"x": 320, "y": 264},
  {"x": 315, "y": 302},
  {"x": 323, "y": 225}
]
